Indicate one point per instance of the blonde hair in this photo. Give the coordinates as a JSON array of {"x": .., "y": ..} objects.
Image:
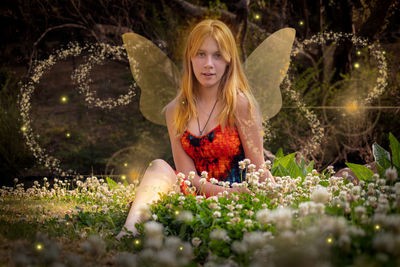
[{"x": 233, "y": 81}]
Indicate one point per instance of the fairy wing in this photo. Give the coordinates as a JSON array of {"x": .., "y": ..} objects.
[
  {"x": 266, "y": 67},
  {"x": 156, "y": 75}
]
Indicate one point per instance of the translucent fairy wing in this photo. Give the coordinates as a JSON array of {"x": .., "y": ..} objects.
[
  {"x": 156, "y": 75},
  {"x": 266, "y": 67}
]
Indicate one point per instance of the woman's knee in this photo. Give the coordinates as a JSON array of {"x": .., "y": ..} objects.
[{"x": 161, "y": 166}]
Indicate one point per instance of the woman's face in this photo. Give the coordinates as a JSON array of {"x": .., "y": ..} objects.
[{"x": 208, "y": 64}]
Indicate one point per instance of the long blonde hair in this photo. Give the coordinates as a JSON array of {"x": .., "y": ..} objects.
[{"x": 232, "y": 82}]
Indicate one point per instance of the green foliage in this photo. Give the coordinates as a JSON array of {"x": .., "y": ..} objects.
[
  {"x": 395, "y": 147},
  {"x": 363, "y": 173},
  {"x": 383, "y": 158},
  {"x": 289, "y": 166}
]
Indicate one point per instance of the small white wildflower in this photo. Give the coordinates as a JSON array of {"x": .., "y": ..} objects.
[
  {"x": 213, "y": 181},
  {"x": 196, "y": 241},
  {"x": 203, "y": 181},
  {"x": 185, "y": 216},
  {"x": 217, "y": 214},
  {"x": 204, "y": 174},
  {"x": 191, "y": 175},
  {"x": 320, "y": 195},
  {"x": 391, "y": 174},
  {"x": 219, "y": 234}
]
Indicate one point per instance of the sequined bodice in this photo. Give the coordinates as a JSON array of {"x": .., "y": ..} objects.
[{"x": 217, "y": 152}]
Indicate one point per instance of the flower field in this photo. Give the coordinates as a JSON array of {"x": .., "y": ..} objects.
[{"x": 306, "y": 218}]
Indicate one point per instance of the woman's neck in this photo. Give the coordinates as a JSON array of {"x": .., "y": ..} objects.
[{"x": 207, "y": 95}]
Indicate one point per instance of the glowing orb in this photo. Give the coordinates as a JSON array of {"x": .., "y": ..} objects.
[{"x": 39, "y": 246}]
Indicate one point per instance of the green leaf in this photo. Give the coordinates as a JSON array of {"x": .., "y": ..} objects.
[
  {"x": 362, "y": 172},
  {"x": 286, "y": 160},
  {"x": 310, "y": 167},
  {"x": 382, "y": 157},
  {"x": 294, "y": 169},
  {"x": 111, "y": 183},
  {"x": 279, "y": 171},
  {"x": 279, "y": 153},
  {"x": 395, "y": 147}
]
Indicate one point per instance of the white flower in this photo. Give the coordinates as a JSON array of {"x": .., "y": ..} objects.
[
  {"x": 213, "y": 181},
  {"x": 217, "y": 214},
  {"x": 196, "y": 241},
  {"x": 254, "y": 240},
  {"x": 153, "y": 229},
  {"x": 263, "y": 216},
  {"x": 320, "y": 195},
  {"x": 282, "y": 216},
  {"x": 204, "y": 174},
  {"x": 203, "y": 181},
  {"x": 185, "y": 216},
  {"x": 391, "y": 174},
  {"x": 239, "y": 247},
  {"x": 248, "y": 222},
  {"x": 191, "y": 175},
  {"x": 252, "y": 167},
  {"x": 219, "y": 234},
  {"x": 268, "y": 165}
]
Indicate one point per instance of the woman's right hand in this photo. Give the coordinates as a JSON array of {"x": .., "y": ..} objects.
[{"x": 239, "y": 190}]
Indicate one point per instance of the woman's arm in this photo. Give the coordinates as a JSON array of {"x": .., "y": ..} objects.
[
  {"x": 251, "y": 134},
  {"x": 183, "y": 162}
]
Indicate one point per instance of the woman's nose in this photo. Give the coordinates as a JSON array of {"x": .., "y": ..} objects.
[{"x": 209, "y": 62}]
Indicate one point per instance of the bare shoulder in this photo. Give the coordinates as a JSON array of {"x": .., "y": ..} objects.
[{"x": 242, "y": 104}]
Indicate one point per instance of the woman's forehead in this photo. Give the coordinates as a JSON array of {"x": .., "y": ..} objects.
[{"x": 209, "y": 44}]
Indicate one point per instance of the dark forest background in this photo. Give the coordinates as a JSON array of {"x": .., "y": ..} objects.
[{"x": 32, "y": 30}]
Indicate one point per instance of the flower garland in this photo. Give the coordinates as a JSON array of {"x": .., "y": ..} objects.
[
  {"x": 99, "y": 53},
  {"x": 322, "y": 38},
  {"x": 80, "y": 76}
]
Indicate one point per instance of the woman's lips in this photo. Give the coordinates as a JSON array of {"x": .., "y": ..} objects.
[{"x": 208, "y": 74}]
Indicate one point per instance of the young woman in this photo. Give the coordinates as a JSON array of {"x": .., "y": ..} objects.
[{"x": 213, "y": 123}]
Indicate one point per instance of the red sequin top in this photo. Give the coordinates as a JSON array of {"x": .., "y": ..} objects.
[{"x": 217, "y": 152}]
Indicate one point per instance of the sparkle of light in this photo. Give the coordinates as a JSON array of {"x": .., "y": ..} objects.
[
  {"x": 352, "y": 106},
  {"x": 150, "y": 164},
  {"x": 125, "y": 164},
  {"x": 137, "y": 242},
  {"x": 356, "y": 65},
  {"x": 358, "y": 53},
  {"x": 180, "y": 248},
  {"x": 377, "y": 227},
  {"x": 123, "y": 177},
  {"x": 68, "y": 135},
  {"x": 257, "y": 16},
  {"x": 301, "y": 23},
  {"x": 384, "y": 52},
  {"x": 338, "y": 205},
  {"x": 177, "y": 212},
  {"x": 329, "y": 240},
  {"x": 39, "y": 246},
  {"x": 23, "y": 128},
  {"x": 64, "y": 99}
]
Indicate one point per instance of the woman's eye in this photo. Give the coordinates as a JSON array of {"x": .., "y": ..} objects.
[
  {"x": 201, "y": 54},
  {"x": 218, "y": 56}
]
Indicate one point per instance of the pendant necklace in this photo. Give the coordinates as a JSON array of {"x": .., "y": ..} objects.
[{"x": 198, "y": 123}]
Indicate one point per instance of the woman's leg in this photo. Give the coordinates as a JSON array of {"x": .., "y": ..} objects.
[{"x": 159, "y": 178}]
